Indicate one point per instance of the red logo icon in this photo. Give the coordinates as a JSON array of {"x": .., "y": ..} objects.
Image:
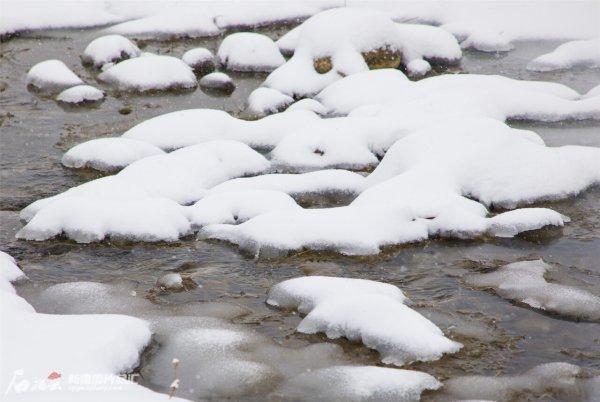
[{"x": 54, "y": 375}]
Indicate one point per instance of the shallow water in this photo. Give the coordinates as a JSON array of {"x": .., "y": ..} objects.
[{"x": 499, "y": 336}]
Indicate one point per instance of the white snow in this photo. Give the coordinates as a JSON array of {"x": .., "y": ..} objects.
[
  {"x": 109, "y": 49},
  {"x": 365, "y": 311},
  {"x": 354, "y": 383},
  {"x": 80, "y": 94},
  {"x": 308, "y": 104},
  {"x": 78, "y": 347},
  {"x": 108, "y": 154},
  {"x": 593, "y": 92},
  {"x": 150, "y": 73},
  {"x": 580, "y": 53},
  {"x": 249, "y": 51},
  {"x": 217, "y": 80},
  {"x": 263, "y": 101},
  {"x": 52, "y": 74},
  {"x": 525, "y": 282},
  {"x": 428, "y": 174},
  {"x": 143, "y": 201},
  {"x": 200, "y": 59}
]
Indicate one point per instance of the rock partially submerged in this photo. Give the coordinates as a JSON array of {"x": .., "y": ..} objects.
[
  {"x": 80, "y": 94},
  {"x": 152, "y": 73},
  {"x": 249, "y": 51},
  {"x": 263, "y": 101},
  {"x": 218, "y": 82},
  {"x": 109, "y": 49},
  {"x": 524, "y": 282},
  {"x": 52, "y": 75},
  {"x": 200, "y": 59}
]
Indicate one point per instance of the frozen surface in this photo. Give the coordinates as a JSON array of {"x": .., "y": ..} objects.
[
  {"x": 108, "y": 154},
  {"x": 524, "y": 282},
  {"x": 79, "y": 345},
  {"x": 365, "y": 311},
  {"x": 52, "y": 74},
  {"x": 249, "y": 51},
  {"x": 351, "y": 383},
  {"x": 152, "y": 73},
  {"x": 263, "y": 101},
  {"x": 109, "y": 49},
  {"x": 80, "y": 94},
  {"x": 580, "y": 53}
]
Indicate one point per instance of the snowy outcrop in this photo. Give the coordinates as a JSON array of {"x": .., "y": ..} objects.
[
  {"x": 365, "y": 311},
  {"x": 218, "y": 81},
  {"x": 51, "y": 75},
  {"x": 579, "y": 53},
  {"x": 108, "y": 154},
  {"x": 109, "y": 49},
  {"x": 524, "y": 282},
  {"x": 80, "y": 94},
  {"x": 249, "y": 51},
  {"x": 145, "y": 200},
  {"x": 263, "y": 101},
  {"x": 152, "y": 73},
  {"x": 200, "y": 59}
]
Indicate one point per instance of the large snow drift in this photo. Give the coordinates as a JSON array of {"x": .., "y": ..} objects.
[
  {"x": 152, "y": 73},
  {"x": 365, "y": 311},
  {"x": 524, "y": 282}
]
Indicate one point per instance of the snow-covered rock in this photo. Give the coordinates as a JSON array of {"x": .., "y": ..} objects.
[
  {"x": 218, "y": 81},
  {"x": 80, "y": 94},
  {"x": 354, "y": 383},
  {"x": 249, "y": 51},
  {"x": 263, "y": 101},
  {"x": 170, "y": 281},
  {"x": 484, "y": 40},
  {"x": 52, "y": 74},
  {"x": 579, "y": 53},
  {"x": 366, "y": 311},
  {"x": 143, "y": 201},
  {"x": 524, "y": 282},
  {"x": 308, "y": 104},
  {"x": 109, "y": 49},
  {"x": 156, "y": 73},
  {"x": 481, "y": 158},
  {"x": 108, "y": 154},
  {"x": 200, "y": 59}
]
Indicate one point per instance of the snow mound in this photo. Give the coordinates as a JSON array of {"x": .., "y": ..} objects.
[
  {"x": 345, "y": 41},
  {"x": 218, "y": 81},
  {"x": 188, "y": 127},
  {"x": 249, "y": 51},
  {"x": 109, "y": 49},
  {"x": 579, "y": 53},
  {"x": 319, "y": 182},
  {"x": 78, "y": 346},
  {"x": 308, "y": 104},
  {"x": 108, "y": 154},
  {"x": 484, "y": 40},
  {"x": 356, "y": 383},
  {"x": 144, "y": 200},
  {"x": 429, "y": 174},
  {"x": 52, "y": 74},
  {"x": 593, "y": 92},
  {"x": 156, "y": 73},
  {"x": 200, "y": 59},
  {"x": 540, "y": 379},
  {"x": 263, "y": 101},
  {"x": 525, "y": 283},
  {"x": 80, "y": 94},
  {"x": 238, "y": 206},
  {"x": 365, "y": 311}
]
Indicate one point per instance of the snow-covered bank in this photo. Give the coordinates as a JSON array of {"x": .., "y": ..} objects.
[
  {"x": 47, "y": 356},
  {"x": 581, "y": 53}
]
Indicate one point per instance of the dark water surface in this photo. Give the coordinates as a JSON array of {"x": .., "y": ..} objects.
[{"x": 499, "y": 336}]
